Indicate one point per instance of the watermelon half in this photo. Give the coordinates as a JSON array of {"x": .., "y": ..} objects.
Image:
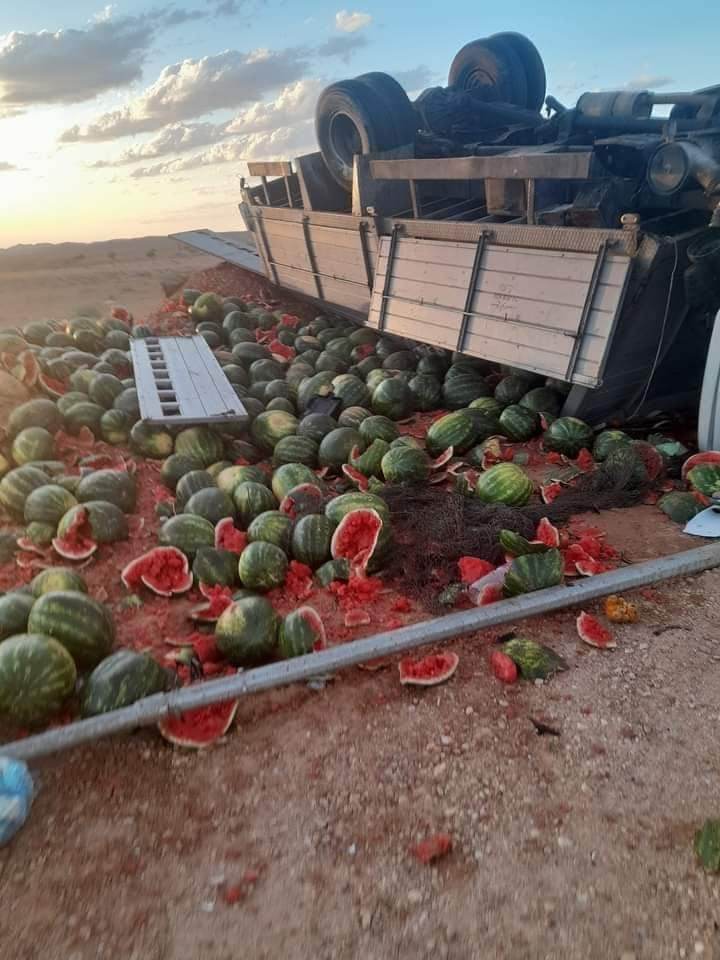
[
  {"x": 356, "y": 537},
  {"x": 592, "y": 632},
  {"x": 164, "y": 570},
  {"x": 428, "y": 671},
  {"x": 197, "y": 729}
]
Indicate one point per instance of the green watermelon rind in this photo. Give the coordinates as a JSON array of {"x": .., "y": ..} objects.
[
  {"x": 534, "y": 571},
  {"x": 120, "y": 680},
  {"x": 262, "y": 566},
  {"x": 83, "y": 625},
  {"x": 37, "y": 675},
  {"x": 246, "y": 633},
  {"x": 504, "y": 483}
]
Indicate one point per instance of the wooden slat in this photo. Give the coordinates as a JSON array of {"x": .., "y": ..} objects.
[
  {"x": 277, "y": 168},
  {"x": 519, "y": 314},
  {"x": 539, "y": 166}
]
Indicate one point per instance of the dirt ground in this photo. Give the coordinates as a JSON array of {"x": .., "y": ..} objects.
[
  {"x": 292, "y": 838},
  {"x": 59, "y": 280}
]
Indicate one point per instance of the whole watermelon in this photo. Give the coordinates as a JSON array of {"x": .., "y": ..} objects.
[
  {"x": 121, "y": 679},
  {"x": 83, "y": 626},
  {"x": 37, "y": 675},
  {"x": 246, "y": 632},
  {"x": 504, "y": 483}
]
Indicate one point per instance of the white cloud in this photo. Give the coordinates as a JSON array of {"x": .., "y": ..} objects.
[
  {"x": 107, "y": 13},
  {"x": 342, "y": 47},
  {"x": 70, "y": 66},
  {"x": 269, "y": 145},
  {"x": 348, "y": 22},
  {"x": 295, "y": 102},
  {"x": 6, "y": 167},
  {"x": 649, "y": 81},
  {"x": 193, "y": 88}
]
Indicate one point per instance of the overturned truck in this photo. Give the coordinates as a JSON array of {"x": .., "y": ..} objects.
[{"x": 582, "y": 245}]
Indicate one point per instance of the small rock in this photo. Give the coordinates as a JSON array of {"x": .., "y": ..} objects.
[
  {"x": 414, "y": 896},
  {"x": 366, "y": 919},
  {"x": 469, "y": 711},
  {"x": 628, "y": 955},
  {"x": 352, "y": 849},
  {"x": 564, "y": 842},
  {"x": 207, "y": 906},
  {"x": 699, "y": 948},
  {"x": 439, "y": 771}
]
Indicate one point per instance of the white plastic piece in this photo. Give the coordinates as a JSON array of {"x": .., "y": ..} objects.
[
  {"x": 709, "y": 415},
  {"x": 706, "y": 523}
]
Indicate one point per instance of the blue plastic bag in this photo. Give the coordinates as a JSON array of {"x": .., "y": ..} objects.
[{"x": 16, "y": 797}]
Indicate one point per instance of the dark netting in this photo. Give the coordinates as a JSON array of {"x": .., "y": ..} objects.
[{"x": 434, "y": 527}]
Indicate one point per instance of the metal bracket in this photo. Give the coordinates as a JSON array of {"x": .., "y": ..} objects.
[
  {"x": 265, "y": 249},
  {"x": 364, "y": 249},
  {"x": 472, "y": 284},
  {"x": 388, "y": 274},
  {"x": 311, "y": 257},
  {"x": 586, "y": 310}
]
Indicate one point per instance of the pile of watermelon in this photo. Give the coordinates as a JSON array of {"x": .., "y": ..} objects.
[{"x": 282, "y": 506}]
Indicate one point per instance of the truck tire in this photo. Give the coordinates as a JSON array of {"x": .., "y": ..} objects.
[
  {"x": 534, "y": 67},
  {"x": 368, "y": 114}
]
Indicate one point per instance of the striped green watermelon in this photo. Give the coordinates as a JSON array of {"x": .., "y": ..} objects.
[
  {"x": 32, "y": 443},
  {"x": 201, "y": 444},
  {"x": 272, "y": 526},
  {"x": 83, "y": 626},
  {"x": 487, "y": 405},
  {"x": 376, "y": 377},
  {"x": 456, "y": 430},
  {"x": 121, "y": 679},
  {"x": 215, "y": 567},
  {"x": 511, "y": 390},
  {"x": 252, "y": 499},
  {"x": 680, "y": 506},
  {"x": 351, "y": 391},
  {"x": 175, "y": 468},
  {"x": 16, "y": 485},
  {"x": 289, "y": 476},
  {"x": 262, "y": 566},
  {"x": 115, "y": 427},
  {"x": 34, "y": 413},
  {"x": 314, "y": 426},
  {"x": 568, "y": 435},
  {"x": 504, "y": 483},
  {"x": 188, "y": 533},
  {"x": 85, "y": 414},
  {"x": 301, "y": 632},
  {"x": 339, "y": 507},
  {"x": 486, "y": 425},
  {"x": 15, "y": 609},
  {"x": 369, "y": 463},
  {"x": 427, "y": 391},
  {"x": 246, "y": 633},
  {"x": 69, "y": 399},
  {"x": 518, "y": 422},
  {"x": 295, "y": 449},
  {"x": 378, "y": 428},
  {"x": 333, "y": 570},
  {"x": 543, "y": 400},
  {"x": 310, "y": 540},
  {"x": 460, "y": 390},
  {"x": 392, "y": 398},
  {"x": 271, "y": 426},
  {"x": 40, "y": 534},
  {"x": 534, "y": 571},
  {"x": 153, "y": 443},
  {"x": 231, "y": 477},
  {"x": 353, "y": 417},
  {"x": 319, "y": 385},
  {"x": 37, "y": 675},
  {"x": 128, "y": 403},
  {"x": 102, "y": 521},
  {"x": 212, "y": 504},
  {"x": 189, "y": 484},
  {"x": 401, "y": 360},
  {"x": 208, "y": 306},
  {"x": 405, "y": 464},
  {"x": 534, "y": 660},
  {"x": 336, "y": 447},
  {"x": 57, "y": 578},
  {"x": 265, "y": 371},
  {"x": 113, "y": 486},
  {"x": 104, "y": 388},
  {"x": 48, "y": 505}
]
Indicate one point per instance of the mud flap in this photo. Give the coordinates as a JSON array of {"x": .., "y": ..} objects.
[{"x": 709, "y": 415}]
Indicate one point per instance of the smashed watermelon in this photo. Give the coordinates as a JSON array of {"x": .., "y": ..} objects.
[
  {"x": 76, "y": 543},
  {"x": 164, "y": 570},
  {"x": 428, "y": 671},
  {"x": 199, "y": 728},
  {"x": 356, "y": 537},
  {"x": 592, "y": 632},
  {"x": 228, "y": 537}
]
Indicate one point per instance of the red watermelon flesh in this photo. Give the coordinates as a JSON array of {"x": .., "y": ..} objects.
[
  {"x": 356, "y": 477},
  {"x": 485, "y": 590},
  {"x": 218, "y": 598},
  {"x": 592, "y": 632},
  {"x": 590, "y": 568},
  {"x": 52, "y": 387},
  {"x": 503, "y": 667},
  {"x": 550, "y": 491},
  {"x": 281, "y": 351},
  {"x": 473, "y": 568},
  {"x": 356, "y": 618},
  {"x": 428, "y": 671},
  {"x": 356, "y": 537},
  {"x": 572, "y": 555},
  {"x": 77, "y": 544},
  {"x": 228, "y": 537},
  {"x": 445, "y": 457},
  {"x": 546, "y": 533},
  {"x": 164, "y": 570},
  {"x": 199, "y": 728}
]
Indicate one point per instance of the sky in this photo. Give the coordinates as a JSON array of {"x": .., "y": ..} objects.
[{"x": 137, "y": 117}]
